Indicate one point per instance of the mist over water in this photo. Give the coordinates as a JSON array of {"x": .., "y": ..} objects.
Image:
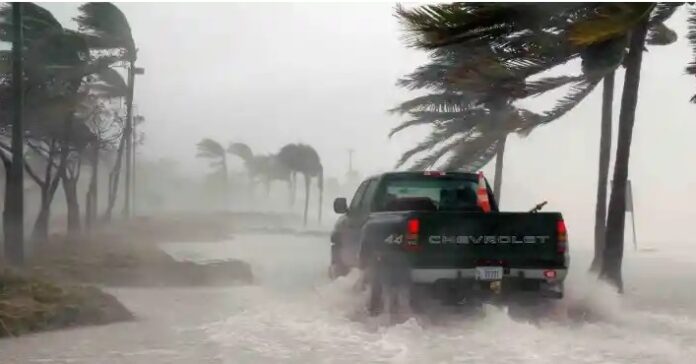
[{"x": 294, "y": 314}]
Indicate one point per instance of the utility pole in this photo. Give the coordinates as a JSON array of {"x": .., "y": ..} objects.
[
  {"x": 14, "y": 210},
  {"x": 350, "y": 160},
  {"x": 135, "y": 145},
  {"x": 128, "y": 134}
]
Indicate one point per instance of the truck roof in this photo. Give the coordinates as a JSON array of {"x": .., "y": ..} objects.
[{"x": 467, "y": 175}]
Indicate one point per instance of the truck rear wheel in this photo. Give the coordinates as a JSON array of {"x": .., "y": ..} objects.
[{"x": 386, "y": 292}]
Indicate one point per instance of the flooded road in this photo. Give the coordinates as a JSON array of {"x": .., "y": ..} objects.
[{"x": 295, "y": 315}]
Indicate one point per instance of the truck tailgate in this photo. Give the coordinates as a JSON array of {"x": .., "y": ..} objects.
[{"x": 467, "y": 240}]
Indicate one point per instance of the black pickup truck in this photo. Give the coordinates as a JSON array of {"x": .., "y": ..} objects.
[{"x": 427, "y": 231}]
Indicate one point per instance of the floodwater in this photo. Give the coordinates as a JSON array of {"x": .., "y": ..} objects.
[{"x": 295, "y": 315}]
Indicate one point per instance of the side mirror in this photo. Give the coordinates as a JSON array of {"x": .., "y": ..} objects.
[{"x": 340, "y": 205}]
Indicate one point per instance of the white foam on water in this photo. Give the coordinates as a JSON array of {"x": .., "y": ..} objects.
[{"x": 296, "y": 315}]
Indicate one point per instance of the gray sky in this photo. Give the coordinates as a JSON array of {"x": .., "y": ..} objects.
[{"x": 324, "y": 74}]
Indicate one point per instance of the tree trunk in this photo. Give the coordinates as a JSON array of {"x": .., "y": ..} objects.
[
  {"x": 293, "y": 188},
  {"x": 13, "y": 213},
  {"x": 226, "y": 183},
  {"x": 603, "y": 174},
  {"x": 70, "y": 189},
  {"x": 91, "y": 199},
  {"x": 307, "y": 180},
  {"x": 498, "y": 178},
  {"x": 320, "y": 184},
  {"x": 40, "y": 232},
  {"x": 613, "y": 251},
  {"x": 114, "y": 176}
]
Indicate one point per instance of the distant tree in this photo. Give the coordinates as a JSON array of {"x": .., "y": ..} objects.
[
  {"x": 263, "y": 168},
  {"x": 215, "y": 152},
  {"x": 302, "y": 158}
]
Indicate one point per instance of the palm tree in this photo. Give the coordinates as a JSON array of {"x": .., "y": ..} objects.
[
  {"x": 476, "y": 84},
  {"x": 302, "y": 158},
  {"x": 597, "y": 33},
  {"x": 215, "y": 152},
  {"x": 266, "y": 167},
  {"x": 105, "y": 27},
  {"x": 614, "y": 236},
  {"x": 58, "y": 65}
]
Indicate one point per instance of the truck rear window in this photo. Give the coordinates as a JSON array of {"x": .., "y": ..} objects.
[{"x": 428, "y": 194}]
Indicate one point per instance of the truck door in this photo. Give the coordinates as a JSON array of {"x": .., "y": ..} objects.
[{"x": 358, "y": 212}]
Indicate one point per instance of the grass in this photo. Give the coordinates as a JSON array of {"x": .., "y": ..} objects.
[{"x": 29, "y": 304}]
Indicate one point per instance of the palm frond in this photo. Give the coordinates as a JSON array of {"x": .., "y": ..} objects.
[
  {"x": 663, "y": 11},
  {"x": 660, "y": 34},
  {"x": 573, "y": 98},
  {"x": 474, "y": 152},
  {"x": 543, "y": 85},
  {"x": 451, "y": 122},
  {"x": 110, "y": 84},
  {"x": 430, "y": 142},
  {"x": 431, "y": 159},
  {"x": 106, "y": 27},
  {"x": 209, "y": 148},
  {"x": 610, "y": 20},
  {"x": 691, "y": 36},
  {"x": 437, "y": 102},
  {"x": 432, "y": 26},
  {"x": 37, "y": 23},
  {"x": 241, "y": 150}
]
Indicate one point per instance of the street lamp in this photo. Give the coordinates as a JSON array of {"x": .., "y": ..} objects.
[{"x": 132, "y": 71}]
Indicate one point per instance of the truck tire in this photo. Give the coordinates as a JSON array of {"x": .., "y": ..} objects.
[
  {"x": 337, "y": 268},
  {"x": 387, "y": 293},
  {"x": 375, "y": 299}
]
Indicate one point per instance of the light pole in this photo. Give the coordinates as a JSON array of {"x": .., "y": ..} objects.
[
  {"x": 136, "y": 120},
  {"x": 128, "y": 134}
]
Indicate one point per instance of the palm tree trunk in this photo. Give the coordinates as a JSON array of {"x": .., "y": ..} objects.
[
  {"x": 307, "y": 180},
  {"x": 320, "y": 185},
  {"x": 293, "y": 188},
  {"x": 603, "y": 174},
  {"x": 225, "y": 183},
  {"x": 498, "y": 178},
  {"x": 613, "y": 251}
]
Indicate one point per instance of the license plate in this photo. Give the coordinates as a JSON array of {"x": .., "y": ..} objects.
[{"x": 489, "y": 273}]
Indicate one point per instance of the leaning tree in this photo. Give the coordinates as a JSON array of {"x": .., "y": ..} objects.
[{"x": 302, "y": 158}]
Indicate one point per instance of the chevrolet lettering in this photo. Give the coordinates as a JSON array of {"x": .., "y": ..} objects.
[{"x": 487, "y": 239}]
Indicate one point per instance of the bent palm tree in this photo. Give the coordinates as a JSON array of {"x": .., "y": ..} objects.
[
  {"x": 265, "y": 167},
  {"x": 302, "y": 158},
  {"x": 213, "y": 151},
  {"x": 105, "y": 27}
]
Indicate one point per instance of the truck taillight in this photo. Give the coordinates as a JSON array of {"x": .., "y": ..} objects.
[
  {"x": 412, "y": 230},
  {"x": 413, "y": 226},
  {"x": 562, "y": 237}
]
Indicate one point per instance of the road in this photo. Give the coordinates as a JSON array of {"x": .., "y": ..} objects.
[{"x": 295, "y": 315}]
